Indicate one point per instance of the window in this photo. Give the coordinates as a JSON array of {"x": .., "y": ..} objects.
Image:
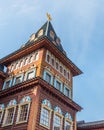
[
  {"x": 48, "y": 78},
  {"x": 68, "y": 122},
  {"x": 52, "y": 35},
  {"x": 31, "y": 59},
  {"x": 1, "y": 111},
  {"x": 67, "y": 91},
  {"x": 67, "y": 125},
  {"x": 40, "y": 33},
  {"x": 9, "y": 113},
  {"x": 48, "y": 58},
  {"x": 23, "y": 110},
  {"x": 12, "y": 68},
  {"x": 57, "y": 122},
  {"x": 45, "y": 113},
  {"x": 57, "y": 66},
  {"x": 64, "y": 72},
  {"x": 30, "y": 74},
  {"x": 21, "y": 64},
  {"x": 53, "y": 62},
  {"x": 16, "y": 66},
  {"x": 7, "y": 84},
  {"x": 36, "y": 56},
  {"x": 61, "y": 69},
  {"x": 26, "y": 61},
  {"x": 68, "y": 75},
  {"x": 18, "y": 79},
  {"x": 58, "y": 85}
]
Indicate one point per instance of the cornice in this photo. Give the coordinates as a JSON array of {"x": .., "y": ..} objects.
[
  {"x": 38, "y": 81},
  {"x": 40, "y": 43}
]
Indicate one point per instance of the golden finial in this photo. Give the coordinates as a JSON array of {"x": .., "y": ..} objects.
[{"x": 49, "y": 17}]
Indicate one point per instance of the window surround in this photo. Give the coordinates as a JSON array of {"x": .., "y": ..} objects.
[
  {"x": 55, "y": 84},
  {"x": 65, "y": 87},
  {"x": 21, "y": 78},
  {"x": 30, "y": 71},
  {"x": 44, "y": 76},
  {"x": 61, "y": 119},
  {"x": 12, "y": 104},
  {"x": 46, "y": 105},
  {"x": 19, "y": 109},
  {"x": 68, "y": 119},
  {"x": 1, "y": 111},
  {"x": 10, "y": 84}
]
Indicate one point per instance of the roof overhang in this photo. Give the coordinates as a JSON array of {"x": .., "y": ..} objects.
[{"x": 40, "y": 43}]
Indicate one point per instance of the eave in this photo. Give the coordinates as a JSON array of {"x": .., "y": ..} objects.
[
  {"x": 43, "y": 42},
  {"x": 38, "y": 81}
]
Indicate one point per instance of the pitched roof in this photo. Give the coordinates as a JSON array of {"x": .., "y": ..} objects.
[{"x": 48, "y": 31}]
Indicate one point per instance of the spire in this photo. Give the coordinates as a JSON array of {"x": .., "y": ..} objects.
[{"x": 48, "y": 31}]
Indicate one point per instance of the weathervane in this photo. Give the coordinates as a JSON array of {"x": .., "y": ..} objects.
[{"x": 49, "y": 17}]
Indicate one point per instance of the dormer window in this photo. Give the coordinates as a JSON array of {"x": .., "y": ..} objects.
[
  {"x": 58, "y": 41},
  {"x": 40, "y": 33},
  {"x": 52, "y": 35}
]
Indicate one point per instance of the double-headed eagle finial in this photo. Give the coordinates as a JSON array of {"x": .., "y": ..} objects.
[{"x": 49, "y": 17}]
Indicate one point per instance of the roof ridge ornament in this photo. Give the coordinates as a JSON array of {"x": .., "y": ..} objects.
[{"x": 49, "y": 17}]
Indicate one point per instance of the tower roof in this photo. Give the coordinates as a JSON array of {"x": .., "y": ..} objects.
[{"x": 48, "y": 31}]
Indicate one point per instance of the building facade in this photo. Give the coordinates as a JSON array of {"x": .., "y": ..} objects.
[
  {"x": 95, "y": 125},
  {"x": 36, "y": 90}
]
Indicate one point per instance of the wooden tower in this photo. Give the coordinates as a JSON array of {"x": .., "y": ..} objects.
[{"x": 36, "y": 91}]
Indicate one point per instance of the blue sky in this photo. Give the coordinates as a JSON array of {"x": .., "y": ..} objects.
[{"x": 80, "y": 26}]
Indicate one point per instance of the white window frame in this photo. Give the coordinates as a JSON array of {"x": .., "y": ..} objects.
[
  {"x": 70, "y": 122},
  {"x": 19, "y": 109},
  {"x": 10, "y": 84},
  {"x": 14, "y": 81},
  {"x": 6, "y": 114},
  {"x": 50, "y": 113},
  {"x": 65, "y": 87},
  {"x": 34, "y": 73},
  {"x": 44, "y": 76},
  {"x": 55, "y": 83},
  {"x": 36, "y": 56},
  {"x": 61, "y": 117}
]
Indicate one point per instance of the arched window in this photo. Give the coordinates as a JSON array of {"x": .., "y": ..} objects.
[
  {"x": 68, "y": 122},
  {"x": 45, "y": 113},
  {"x": 23, "y": 110},
  {"x": 58, "y": 118},
  {"x": 1, "y": 111},
  {"x": 9, "y": 113}
]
